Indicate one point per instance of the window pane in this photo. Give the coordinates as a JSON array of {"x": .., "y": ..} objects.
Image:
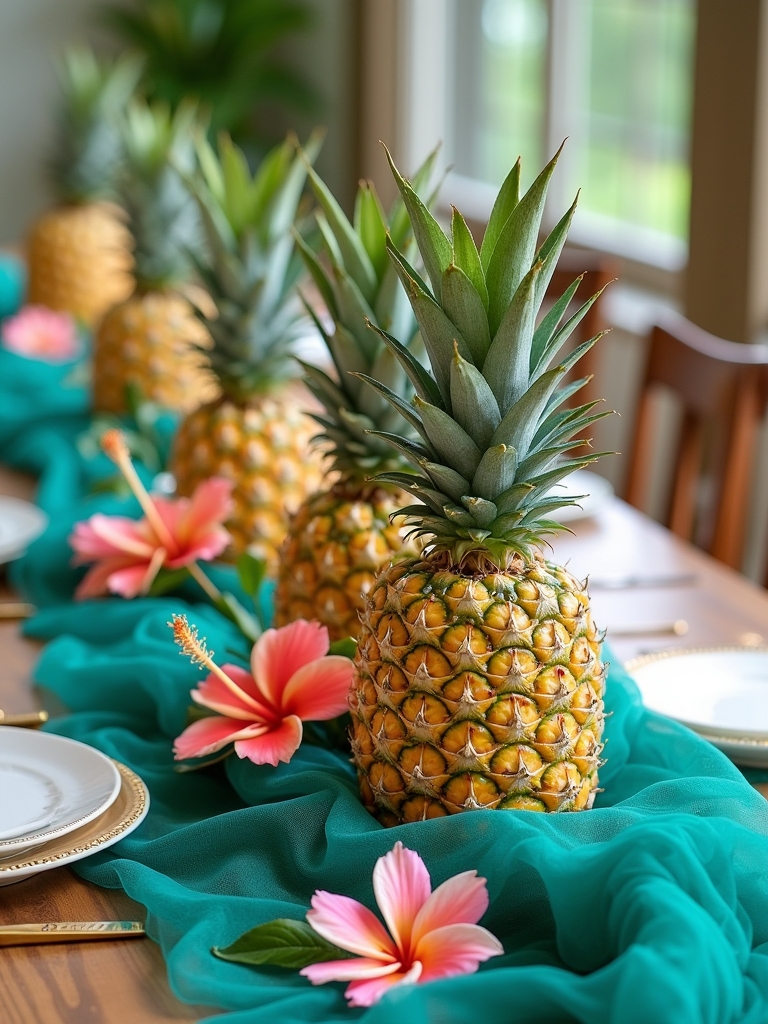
[
  {"x": 500, "y": 86},
  {"x": 634, "y": 158}
]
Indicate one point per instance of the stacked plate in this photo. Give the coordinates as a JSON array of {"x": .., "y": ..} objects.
[
  {"x": 719, "y": 692},
  {"x": 60, "y": 801}
]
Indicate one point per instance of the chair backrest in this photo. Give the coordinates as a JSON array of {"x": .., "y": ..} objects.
[
  {"x": 721, "y": 387},
  {"x": 598, "y": 271}
]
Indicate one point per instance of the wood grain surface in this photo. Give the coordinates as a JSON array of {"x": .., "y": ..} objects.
[{"x": 125, "y": 982}]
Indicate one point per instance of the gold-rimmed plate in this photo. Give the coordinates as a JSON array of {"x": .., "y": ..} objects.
[
  {"x": 124, "y": 815},
  {"x": 719, "y": 692}
]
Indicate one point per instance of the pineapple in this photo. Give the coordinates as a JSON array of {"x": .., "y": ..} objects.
[
  {"x": 79, "y": 252},
  {"x": 479, "y": 680},
  {"x": 152, "y": 339},
  {"x": 253, "y": 432},
  {"x": 342, "y": 536}
]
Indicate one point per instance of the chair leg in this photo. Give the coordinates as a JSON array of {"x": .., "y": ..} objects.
[
  {"x": 730, "y": 526},
  {"x": 682, "y": 514},
  {"x": 642, "y": 452}
]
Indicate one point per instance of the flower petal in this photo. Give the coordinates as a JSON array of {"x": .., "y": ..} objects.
[
  {"x": 462, "y": 899},
  {"x": 278, "y": 744},
  {"x": 130, "y": 582},
  {"x": 455, "y": 949},
  {"x": 347, "y": 970},
  {"x": 95, "y": 583},
  {"x": 351, "y": 926},
  {"x": 209, "y": 506},
  {"x": 124, "y": 535},
  {"x": 402, "y": 887},
  {"x": 214, "y": 691},
  {"x": 280, "y": 653},
  {"x": 366, "y": 993},
  {"x": 209, "y": 735},
  {"x": 319, "y": 690}
]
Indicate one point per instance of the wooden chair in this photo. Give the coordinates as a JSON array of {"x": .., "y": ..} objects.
[
  {"x": 721, "y": 386},
  {"x": 598, "y": 271}
]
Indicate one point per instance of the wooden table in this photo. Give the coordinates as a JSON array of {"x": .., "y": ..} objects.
[{"x": 125, "y": 982}]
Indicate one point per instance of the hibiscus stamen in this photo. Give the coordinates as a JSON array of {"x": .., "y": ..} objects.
[
  {"x": 197, "y": 651},
  {"x": 113, "y": 444}
]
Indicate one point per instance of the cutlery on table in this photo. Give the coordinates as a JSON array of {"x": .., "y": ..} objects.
[
  {"x": 68, "y": 931},
  {"x": 637, "y": 581},
  {"x": 28, "y": 720},
  {"x": 677, "y": 628}
]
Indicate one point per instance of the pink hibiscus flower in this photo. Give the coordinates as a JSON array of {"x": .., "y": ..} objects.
[
  {"x": 292, "y": 680},
  {"x": 431, "y": 934},
  {"x": 41, "y": 333},
  {"x": 174, "y": 533}
]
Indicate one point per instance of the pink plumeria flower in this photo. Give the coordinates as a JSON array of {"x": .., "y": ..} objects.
[
  {"x": 41, "y": 333},
  {"x": 292, "y": 680},
  {"x": 431, "y": 934},
  {"x": 174, "y": 533}
]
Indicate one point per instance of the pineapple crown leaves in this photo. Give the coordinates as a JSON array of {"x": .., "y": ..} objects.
[
  {"x": 158, "y": 149},
  {"x": 88, "y": 152},
  {"x": 491, "y": 429},
  {"x": 360, "y": 287},
  {"x": 249, "y": 267}
]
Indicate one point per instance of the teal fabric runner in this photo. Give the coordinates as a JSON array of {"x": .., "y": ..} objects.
[{"x": 653, "y": 907}]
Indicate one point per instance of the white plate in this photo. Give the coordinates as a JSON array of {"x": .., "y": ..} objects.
[
  {"x": 120, "y": 818},
  {"x": 20, "y": 523},
  {"x": 49, "y": 785},
  {"x": 597, "y": 489},
  {"x": 720, "y": 692}
]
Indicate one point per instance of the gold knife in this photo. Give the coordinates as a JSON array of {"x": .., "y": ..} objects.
[
  {"x": 68, "y": 931},
  {"x": 29, "y": 720}
]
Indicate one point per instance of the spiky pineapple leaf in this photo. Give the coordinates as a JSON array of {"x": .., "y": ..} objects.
[
  {"x": 507, "y": 199},
  {"x": 465, "y": 309},
  {"x": 466, "y": 256}
]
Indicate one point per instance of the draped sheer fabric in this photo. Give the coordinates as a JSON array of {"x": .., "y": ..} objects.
[{"x": 651, "y": 907}]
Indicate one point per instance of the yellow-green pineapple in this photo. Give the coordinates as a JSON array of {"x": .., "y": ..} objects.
[
  {"x": 152, "y": 339},
  {"x": 342, "y": 536},
  {"x": 479, "y": 680},
  {"x": 254, "y": 431},
  {"x": 79, "y": 252}
]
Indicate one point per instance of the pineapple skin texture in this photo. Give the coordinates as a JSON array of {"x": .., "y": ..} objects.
[
  {"x": 476, "y": 692},
  {"x": 80, "y": 260},
  {"x": 338, "y": 541},
  {"x": 148, "y": 340},
  {"x": 264, "y": 448}
]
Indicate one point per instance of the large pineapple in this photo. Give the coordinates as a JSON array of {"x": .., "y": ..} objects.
[
  {"x": 152, "y": 339},
  {"x": 342, "y": 536},
  {"x": 79, "y": 252},
  {"x": 479, "y": 681},
  {"x": 254, "y": 432}
]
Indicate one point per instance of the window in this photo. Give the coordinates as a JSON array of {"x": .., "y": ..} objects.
[{"x": 613, "y": 75}]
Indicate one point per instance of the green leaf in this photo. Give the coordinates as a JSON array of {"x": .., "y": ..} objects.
[
  {"x": 436, "y": 251},
  {"x": 451, "y": 442},
  {"x": 447, "y": 479},
  {"x": 371, "y": 225},
  {"x": 399, "y": 224},
  {"x": 247, "y": 623},
  {"x": 466, "y": 256},
  {"x": 281, "y": 943},
  {"x": 346, "y": 648},
  {"x": 251, "y": 572},
  {"x": 507, "y": 365},
  {"x": 405, "y": 410},
  {"x": 473, "y": 403},
  {"x": 317, "y": 273},
  {"x": 424, "y": 384},
  {"x": 561, "y": 336},
  {"x": 549, "y": 253},
  {"x": 465, "y": 309},
  {"x": 356, "y": 260},
  {"x": 515, "y": 249},
  {"x": 168, "y": 580},
  {"x": 495, "y": 473},
  {"x": 482, "y": 511},
  {"x": 550, "y": 322},
  {"x": 506, "y": 201}
]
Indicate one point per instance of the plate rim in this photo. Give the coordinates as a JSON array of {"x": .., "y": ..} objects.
[
  {"x": 12, "y": 550},
  {"x": 714, "y": 734},
  {"x": 130, "y": 819},
  {"x": 575, "y": 513},
  {"x": 36, "y": 839}
]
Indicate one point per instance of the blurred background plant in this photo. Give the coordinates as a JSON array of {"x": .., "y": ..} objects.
[{"x": 226, "y": 55}]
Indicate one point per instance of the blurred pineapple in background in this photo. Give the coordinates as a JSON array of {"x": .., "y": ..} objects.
[
  {"x": 342, "y": 536},
  {"x": 152, "y": 340},
  {"x": 79, "y": 252},
  {"x": 254, "y": 433}
]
